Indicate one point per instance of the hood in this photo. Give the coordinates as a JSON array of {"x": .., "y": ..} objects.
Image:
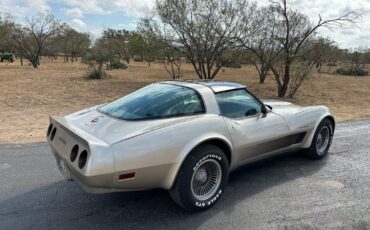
[
  {"x": 112, "y": 130},
  {"x": 283, "y": 108}
]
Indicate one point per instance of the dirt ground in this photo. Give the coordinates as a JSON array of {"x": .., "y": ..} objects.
[{"x": 28, "y": 95}]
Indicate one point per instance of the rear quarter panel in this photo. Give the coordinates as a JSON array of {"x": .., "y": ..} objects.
[{"x": 156, "y": 156}]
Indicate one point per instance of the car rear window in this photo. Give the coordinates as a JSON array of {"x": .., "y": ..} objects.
[{"x": 156, "y": 101}]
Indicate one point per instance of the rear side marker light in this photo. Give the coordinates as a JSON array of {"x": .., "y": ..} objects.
[{"x": 126, "y": 176}]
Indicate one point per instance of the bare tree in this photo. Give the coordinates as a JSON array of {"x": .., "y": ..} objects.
[
  {"x": 153, "y": 39},
  {"x": 205, "y": 29},
  {"x": 39, "y": 32},
  {"x": 97, "y": 57},
  {"x": 288, "y": 34},
  {"x": 73, "y": 44},
  {"x": 167, "y": 50},
  {"x": 295, "y": 30},
  {"x": 118, "y": 41},
  {"x": 6, "y": 28},
  {"x": 258, "y": 36}
]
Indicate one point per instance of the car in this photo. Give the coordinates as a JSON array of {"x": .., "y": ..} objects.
[{"x": 182, "y": 136}]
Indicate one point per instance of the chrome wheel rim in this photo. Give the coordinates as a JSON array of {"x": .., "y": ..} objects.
[
  {"x": 206, "y": 179},
  {"x": 323, "y": 140}
]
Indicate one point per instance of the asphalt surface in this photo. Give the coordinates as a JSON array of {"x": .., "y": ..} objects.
[{"x": 287, "y": 192}]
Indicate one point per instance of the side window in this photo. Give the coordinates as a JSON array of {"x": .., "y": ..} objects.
[{"x": 237, "y": 104}]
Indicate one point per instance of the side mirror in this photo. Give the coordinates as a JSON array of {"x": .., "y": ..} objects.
[{"x": 263, "y": 111}]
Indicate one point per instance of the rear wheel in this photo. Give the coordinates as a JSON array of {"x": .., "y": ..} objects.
[
  {"x": 201, "y": 179},
  {"x": 321, "y": 141}
]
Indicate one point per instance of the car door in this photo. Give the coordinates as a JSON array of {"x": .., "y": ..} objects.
[{"x": 253, "y": 134}]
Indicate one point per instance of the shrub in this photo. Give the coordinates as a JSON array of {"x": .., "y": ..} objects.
[
  {"x": 116, "y": 65},
  {"x": 95, "y": 71},
  {"x": 352, "y": 71},
  {"x": 138, "y": 59},
  {"x": 233, "y": 64}
]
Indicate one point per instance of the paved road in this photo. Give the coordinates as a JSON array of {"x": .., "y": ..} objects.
[{"x": 288, "y": 192}]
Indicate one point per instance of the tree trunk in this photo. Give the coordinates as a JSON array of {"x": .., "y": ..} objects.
[
  {"x": 34, "y": 63},
  {"x": 282, "y": 90},
  {"x": 263, "y": 73}
]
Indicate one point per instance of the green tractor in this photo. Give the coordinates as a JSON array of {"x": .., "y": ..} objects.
[{"x": 7, "y": 57}]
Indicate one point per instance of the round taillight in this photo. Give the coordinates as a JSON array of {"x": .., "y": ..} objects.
[
  {"x": 82, "y": 159},
  {"x": 52, "y": 135},
  {"x": 74, "y": 153}
]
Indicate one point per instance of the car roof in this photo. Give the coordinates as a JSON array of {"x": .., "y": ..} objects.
[{"x": 216, "y": 86}]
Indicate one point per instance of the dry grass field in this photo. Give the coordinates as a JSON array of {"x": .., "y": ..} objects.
[{"x": 28, "y": 95}]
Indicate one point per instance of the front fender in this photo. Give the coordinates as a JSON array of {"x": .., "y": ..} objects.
[{"x": 321, "y": 112}]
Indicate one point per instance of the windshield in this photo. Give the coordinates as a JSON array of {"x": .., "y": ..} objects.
[{"x": 156, "y": 101}]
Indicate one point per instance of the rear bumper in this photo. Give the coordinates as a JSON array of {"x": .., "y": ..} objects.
[
  {"x": 103, "y": 168},
  {"x": 90, "y": 184},
  {"x": 96, "y": 176}
]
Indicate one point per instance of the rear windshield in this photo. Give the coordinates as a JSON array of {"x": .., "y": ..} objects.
[{"x": 156, "y": 101}]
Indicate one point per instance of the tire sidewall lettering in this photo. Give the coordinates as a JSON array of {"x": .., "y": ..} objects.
[
  {"x": 202, "y": 204},
  {"x": 212, "y": 200}
]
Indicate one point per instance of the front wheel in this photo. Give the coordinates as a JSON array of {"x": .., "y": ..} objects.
[
  {"x": 322, "y": 140},
  {"x": 201, "y": 179}
]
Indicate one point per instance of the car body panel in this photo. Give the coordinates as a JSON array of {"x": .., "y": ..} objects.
[
  {"x": 266, "y": 130},
  {"x": 154, "y": 150},
  {"x": 168, "y": 151}
]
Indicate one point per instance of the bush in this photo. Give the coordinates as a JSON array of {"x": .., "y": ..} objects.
[
  {"x": 116, "y": 65},
  {"x": 138, "y": 59},
  {"x": 352, "y": 71},
  {"x": 96, "y": 71},
  {"x": 233, "y": 64}
]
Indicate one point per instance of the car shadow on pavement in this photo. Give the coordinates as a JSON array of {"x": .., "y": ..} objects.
[{"x": 63, "y": 205}]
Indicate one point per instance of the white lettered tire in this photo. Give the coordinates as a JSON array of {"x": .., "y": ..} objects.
[
  {"x": 202, "y": 178},
  {"x": 322, "y": 140}
]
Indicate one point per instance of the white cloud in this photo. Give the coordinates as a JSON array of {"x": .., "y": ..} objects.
[
  {"x": 129, "y": 7},
  {"x": 88, "y": 6},
  {"x": 127, "y": 26},
  {"x": 349, "y": 36},
  {"x": 40, "y": 6},
  {"x": 78, "y": 23},
  {"x": 135, "y": 8},
  {"x": 74, "y": 12}
]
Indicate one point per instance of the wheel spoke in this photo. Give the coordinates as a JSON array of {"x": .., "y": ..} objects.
[
  {"x": 206, "y": 179},
  {"x": 323, "y": 140}
]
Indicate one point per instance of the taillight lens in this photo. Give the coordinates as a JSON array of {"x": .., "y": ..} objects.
[
  {"x": 82, "y": 159},
  {"x": 52, "y": 135},
  {"x": 74, "y": 153},
  {"x": 49, "y": 129}
]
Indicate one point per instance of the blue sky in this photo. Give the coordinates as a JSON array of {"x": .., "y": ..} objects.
[
  {"x": 84, "y": 15},
  {"x": 93, "y": 22},
  {"x": 93, "y": 16}
]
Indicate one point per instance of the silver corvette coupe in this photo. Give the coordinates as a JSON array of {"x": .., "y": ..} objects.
[{"x": 182, "y": 136}]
